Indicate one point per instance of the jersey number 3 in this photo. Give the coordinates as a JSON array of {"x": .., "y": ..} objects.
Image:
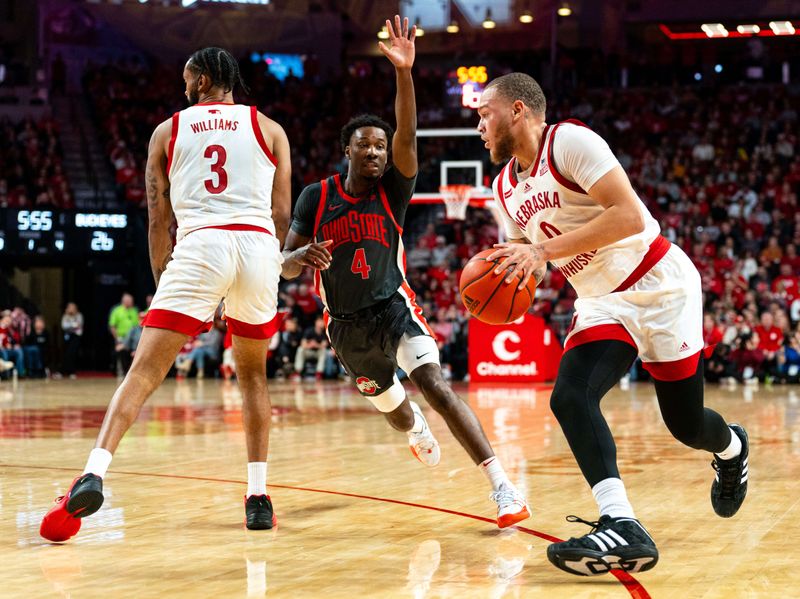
[
  {"x": 360, "y": 266},
  {"x": 220, "y": 156}
]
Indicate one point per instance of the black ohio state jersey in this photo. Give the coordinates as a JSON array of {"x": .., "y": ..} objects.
[{"x": 368, "y": 257}]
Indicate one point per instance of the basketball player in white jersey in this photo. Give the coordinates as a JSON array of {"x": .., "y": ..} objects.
[
  {"x": 223, "y": 170},
  {"x": 566, "y": 200}
]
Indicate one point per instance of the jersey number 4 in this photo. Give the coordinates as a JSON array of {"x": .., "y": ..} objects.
[
  {"x": 360, "y": 266},
  {"x": 220, "y": 156}
]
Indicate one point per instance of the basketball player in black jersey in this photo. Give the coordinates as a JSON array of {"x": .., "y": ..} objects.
[{"x": 349, "y": 230}]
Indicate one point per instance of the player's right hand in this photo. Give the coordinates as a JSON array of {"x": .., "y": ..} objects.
[{"x": 315, "y": 255}]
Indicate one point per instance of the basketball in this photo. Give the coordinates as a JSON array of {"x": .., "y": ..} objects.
[{"x": 487, "y": 297}]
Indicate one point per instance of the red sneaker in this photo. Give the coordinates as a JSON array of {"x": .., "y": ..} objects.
[{"x": 84, "y": 498}]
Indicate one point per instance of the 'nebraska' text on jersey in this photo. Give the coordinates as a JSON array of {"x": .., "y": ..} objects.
[
  {"x": 220, "y": 168},
  {"x": 368, "y": 261},
  {"x": 547, "y": 204}
]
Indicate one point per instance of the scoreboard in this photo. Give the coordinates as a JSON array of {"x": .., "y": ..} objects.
[
  {"x": 62, "y": 233},
  {"x": 464, "y": 84}
]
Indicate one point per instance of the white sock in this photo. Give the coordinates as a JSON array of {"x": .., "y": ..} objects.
[
  {"x": 256, "y": 478},
  {"x": 98, "y": 462},
  {"x": 493, "y": 470},
  {"x": 732, "y": 450},
  {"x": 611, "y": 499},
  {"x": 419, "y": 422}
]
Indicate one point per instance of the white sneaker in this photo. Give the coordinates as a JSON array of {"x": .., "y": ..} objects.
[
  {"x": 511, "y": 505},
  {"x": 423, "y": 445}
]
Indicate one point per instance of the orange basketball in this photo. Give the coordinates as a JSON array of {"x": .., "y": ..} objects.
[{"x": 488, "y": 297}]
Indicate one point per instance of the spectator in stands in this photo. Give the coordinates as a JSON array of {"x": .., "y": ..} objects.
[
  {"x": 770, "y": 340},
  {"x": 788, "y": 359},
  {"x": 20, "y": 322},
  {"x": 284, "y": 350},
  {"x": 183, "y": 363},
  {"x": 126, "y": 347},
  {"x": 313, "y": 344},
  {"x": 719, "y": 367},
  {"x": 306, "y": 307},
  {"x": 122, "y": 318},
  {"x": 10, "y": 344},
  {"x": 712, "y": 334},
  {"x": 72, "y": 329},
  {"x": 747, "y": 358},
  {"x": 206, "y": 346},
  {"x": 787, "y": 284},
  {"x": 37, "y": 348}
]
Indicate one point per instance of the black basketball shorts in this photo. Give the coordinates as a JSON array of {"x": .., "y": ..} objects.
[{"x": 373, "y": 342}]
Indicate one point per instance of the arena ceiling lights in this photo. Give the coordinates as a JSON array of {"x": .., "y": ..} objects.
[
  {"x": 438, "y": 15},
  {"x": 720, "y": 30},
  {"x": 188, "y": 3}
]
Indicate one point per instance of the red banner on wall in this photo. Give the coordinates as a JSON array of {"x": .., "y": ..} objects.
[{"x": 523, "y": 351}]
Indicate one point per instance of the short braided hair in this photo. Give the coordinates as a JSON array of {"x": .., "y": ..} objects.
[{"x": 220, "y": 66}]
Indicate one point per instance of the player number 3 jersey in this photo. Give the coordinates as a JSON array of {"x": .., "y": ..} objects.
[
  {"x": 220, "y": 168},
  {"x": 553, "y": 200}
]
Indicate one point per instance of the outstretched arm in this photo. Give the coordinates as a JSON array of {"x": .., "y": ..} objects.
[
  {"x": 401, "y": 54},
  {"x": 159, "y": 208}
]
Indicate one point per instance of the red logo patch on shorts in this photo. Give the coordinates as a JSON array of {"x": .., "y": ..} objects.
[{"x": 366, "y": 385}]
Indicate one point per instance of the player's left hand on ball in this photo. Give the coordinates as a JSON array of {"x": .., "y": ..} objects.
[
  {"x": 401, "y": 52},
  {"x": 517, "y": 258}
]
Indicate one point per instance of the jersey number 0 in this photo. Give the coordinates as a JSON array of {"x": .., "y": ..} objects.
[{"x": 220, "y": 156}]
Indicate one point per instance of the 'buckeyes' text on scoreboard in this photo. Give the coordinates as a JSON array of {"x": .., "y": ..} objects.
[{"x": 62, "y": 233}]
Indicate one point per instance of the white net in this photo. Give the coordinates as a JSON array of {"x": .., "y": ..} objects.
[{"x": 456, "y": 200}]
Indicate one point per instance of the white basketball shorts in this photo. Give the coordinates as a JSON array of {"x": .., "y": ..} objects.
[
  {"x": 660, "y": 314},
  {"x": 237, "y": 264}
]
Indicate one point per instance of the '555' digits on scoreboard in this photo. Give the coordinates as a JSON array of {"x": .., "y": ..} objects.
[{"x": 65, "y": 233}]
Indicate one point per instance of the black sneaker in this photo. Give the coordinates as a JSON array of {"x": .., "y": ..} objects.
[
  {"x": 63, "y": 520},
  {"x": 258, "y": 512},
  {"x": 730, "y": 484},
  {"x": 85, "y": 496},
  {"x": 613, "y": 544}
]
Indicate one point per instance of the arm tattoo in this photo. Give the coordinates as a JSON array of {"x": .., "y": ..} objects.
[
  {"x": 151, "y": 185},
  {"x": 537, "y": 251}
]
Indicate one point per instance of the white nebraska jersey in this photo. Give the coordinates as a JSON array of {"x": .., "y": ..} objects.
[
  {"x": 551, "y": 202},
  {"x": 220, "y": 168}
]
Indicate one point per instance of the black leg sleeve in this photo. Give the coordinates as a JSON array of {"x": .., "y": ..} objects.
[
  {"x": 585, "y": 375},
  {"x": 681, "y": 404}
]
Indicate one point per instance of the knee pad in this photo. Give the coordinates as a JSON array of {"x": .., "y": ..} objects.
[{"x": 389, "y": 400}]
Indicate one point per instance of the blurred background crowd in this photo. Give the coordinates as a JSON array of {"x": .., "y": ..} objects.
[{"x": 715, "y": 159}]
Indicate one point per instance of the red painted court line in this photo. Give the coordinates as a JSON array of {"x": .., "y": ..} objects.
[{"x": 633, "y": 586}]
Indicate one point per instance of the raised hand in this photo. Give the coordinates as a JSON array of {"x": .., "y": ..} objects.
[{"x": 402, "y": 51}]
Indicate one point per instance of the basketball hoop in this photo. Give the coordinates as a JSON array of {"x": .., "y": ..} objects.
[{"x": 456, "y": 199}]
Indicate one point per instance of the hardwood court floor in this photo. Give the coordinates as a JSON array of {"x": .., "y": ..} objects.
[{"x": 359, "y": 517}]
